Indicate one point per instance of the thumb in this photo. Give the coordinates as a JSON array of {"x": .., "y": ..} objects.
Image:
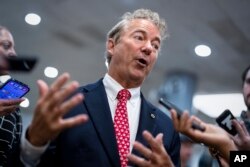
[{"x": 42, "y": 87}]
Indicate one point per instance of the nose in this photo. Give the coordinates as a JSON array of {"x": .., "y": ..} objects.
[
  {"x": 12, "y": 52},
  {"x": 147, "y": 48}
]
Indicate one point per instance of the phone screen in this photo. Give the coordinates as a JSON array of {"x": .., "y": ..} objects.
[{"x": 13, "y": 89}]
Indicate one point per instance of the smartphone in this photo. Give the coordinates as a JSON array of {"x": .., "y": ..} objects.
[
  {"x": 13, "y": 89},
  {"x": 20, "y": 63},
  {"x": 225, "y": 121},
  {"x": 179, "y": 112}
]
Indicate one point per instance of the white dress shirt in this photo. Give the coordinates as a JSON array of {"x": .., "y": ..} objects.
[{"x": 133, "y": 105}]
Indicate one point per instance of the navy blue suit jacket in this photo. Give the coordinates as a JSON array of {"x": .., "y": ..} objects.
[{"x": 93, "y": 144}]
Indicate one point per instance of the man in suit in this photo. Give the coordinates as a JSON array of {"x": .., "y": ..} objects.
[{"x": 132, "y": 47}]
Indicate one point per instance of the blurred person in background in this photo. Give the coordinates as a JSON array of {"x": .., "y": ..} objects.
[
  {"x": 186, "y": 150},
  {"x": 242, "y": 139},
  {"x": 10, "y": 117},
  {"x": 245, "y": 115}
]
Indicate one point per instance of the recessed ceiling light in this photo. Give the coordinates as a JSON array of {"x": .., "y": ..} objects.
[
  {"x": 50, "y": 72},
  {"x": 202, "y": 50},
  {"x": 32, "y": 19}
]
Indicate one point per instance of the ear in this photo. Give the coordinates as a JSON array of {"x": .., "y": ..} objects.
[{"x": 110, "y": 46}]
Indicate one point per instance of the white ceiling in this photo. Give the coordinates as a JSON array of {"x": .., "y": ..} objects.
[{"x": 72, "y": 35}]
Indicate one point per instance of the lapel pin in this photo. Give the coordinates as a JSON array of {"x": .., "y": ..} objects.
[{"x": 152, "y": 116}]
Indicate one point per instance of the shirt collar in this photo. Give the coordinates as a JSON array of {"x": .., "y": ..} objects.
[{"x": 112, "y": 88}]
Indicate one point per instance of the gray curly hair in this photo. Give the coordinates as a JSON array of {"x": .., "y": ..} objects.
[{"x": 146, "y": 14}]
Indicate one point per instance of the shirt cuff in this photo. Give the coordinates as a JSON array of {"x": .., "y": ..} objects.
[{"x": 30, "y": 155}]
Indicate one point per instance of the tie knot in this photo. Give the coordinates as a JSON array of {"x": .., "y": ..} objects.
[{"x": 123, "y": 94}]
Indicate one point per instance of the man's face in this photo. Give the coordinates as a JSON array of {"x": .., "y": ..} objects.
[
  {"x": 134, "y": 54},
  {"x": 6, "y": 47},
  {"x": 246, "y": 90}
]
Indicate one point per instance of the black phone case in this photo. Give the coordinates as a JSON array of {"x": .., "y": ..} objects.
[
  {"x": 170, "y": 106},
  {"x": 224, "y": 121}
]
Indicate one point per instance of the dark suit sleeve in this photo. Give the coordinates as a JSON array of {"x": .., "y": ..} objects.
[
  {"x": 49, "y": 158},
  {"x": 175, "y": 149}
]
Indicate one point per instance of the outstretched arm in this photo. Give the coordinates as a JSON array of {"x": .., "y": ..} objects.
[
  {"x": 48, "y": 119},
  {"x": 213, "y": 136}
]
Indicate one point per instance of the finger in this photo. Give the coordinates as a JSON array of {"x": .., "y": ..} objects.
[
  {"x": 138, "y": 160},
  {"x": 58, "y": 97},
  {"x": 175, "y": 119},
  {"x": 159, "y": 138},
  {"x": 42, "y": 103},
  {"x": 244, "y": 128},
  {"x": 73, "y": 121},
  {"x": 59, "y": 82},
  {"x": 146, "y": 152},
  {"x": 238, "y": 127},
  {"x": 42, "y": 87},
  {"x": 154, "y": 145},
  {"x": 10, "y": 102},
  {"x": 194, "y": 119},
  {"x": 48, "y": 92},
  {"x": 68, "y": 105},
  {"x": 7, "y": 110},
  {"x": 184, "y": 119}
]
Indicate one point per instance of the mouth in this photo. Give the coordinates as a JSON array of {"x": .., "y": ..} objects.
[{"x": 142, "y": 62}]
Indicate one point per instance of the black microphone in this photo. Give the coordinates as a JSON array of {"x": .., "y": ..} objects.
[
  {"x": 179, "y": 112},
  {"x": 18, "y": 63}
]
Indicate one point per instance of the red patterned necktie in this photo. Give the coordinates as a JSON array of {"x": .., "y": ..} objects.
[{"x": 121, "y": 126}]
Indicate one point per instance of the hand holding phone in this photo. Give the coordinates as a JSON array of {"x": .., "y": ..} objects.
[
  {"x": 179, "y": 112},
  {"x": 13, "y": 89},
  {"x": 225, "y": 121}
]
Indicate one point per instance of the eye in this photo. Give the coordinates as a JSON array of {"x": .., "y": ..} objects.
[
  {"x": 138, "y": 36},
  {"x": 6, "y": 45},
  {"x": 156, "y": 45}
]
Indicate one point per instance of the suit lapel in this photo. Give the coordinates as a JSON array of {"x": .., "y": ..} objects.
[
  {"x": 146, "y": 122},
  {"x": 97, "y": 105}
]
